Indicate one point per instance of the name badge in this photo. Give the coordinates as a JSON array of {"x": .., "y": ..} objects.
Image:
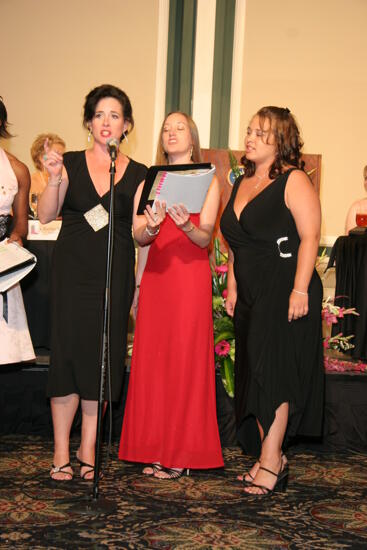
[{"x": 97, "y": 217}]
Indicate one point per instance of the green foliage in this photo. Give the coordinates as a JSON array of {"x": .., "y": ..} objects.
[
  {"x": 234, "y": 164},
  {"x": 224, "y": 343}
]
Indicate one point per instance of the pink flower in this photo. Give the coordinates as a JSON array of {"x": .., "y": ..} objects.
[
  {"x": 361, "y": 367},
  {"x": 330, "y": 318},
  {"x": 221, "y": 268},
  {"x": 341, "y": 312},
  {"x": 337, "y": 365},
  {"x": 222, "y": 348},
  {"x": 225, "y": 293},
  {"x": 326, "y": 342}
]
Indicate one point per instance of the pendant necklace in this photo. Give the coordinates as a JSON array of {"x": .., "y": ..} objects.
[{"x": 260, "y": 178}]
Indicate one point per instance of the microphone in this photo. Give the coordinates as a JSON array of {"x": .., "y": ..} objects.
[{"x": 113, "y": 147}]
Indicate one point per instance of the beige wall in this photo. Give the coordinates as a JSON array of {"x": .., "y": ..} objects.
[
  {"x": 311, "y": 56},
  {"x": 53, "y": 53}
]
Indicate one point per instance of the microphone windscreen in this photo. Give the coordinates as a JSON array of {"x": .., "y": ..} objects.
[{"x": 113, "y": 143}]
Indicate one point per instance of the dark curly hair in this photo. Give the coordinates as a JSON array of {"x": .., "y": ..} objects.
[
  {"x": 4, "y": 132},
  {"x": 107, "y": 90},
  {"x": 288, "y": 142}
]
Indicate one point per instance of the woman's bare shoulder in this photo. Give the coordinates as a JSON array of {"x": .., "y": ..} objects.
[
  {"x": 298, "y": 176},
  {"x": 20, "y": 169}
]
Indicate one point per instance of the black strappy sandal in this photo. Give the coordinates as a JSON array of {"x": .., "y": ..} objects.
[
  {"x": 173, "y": 474},
  {"x": 61, "y": 469},
  {"x": 248, "y": 482},
  {"x": 155, "y": 467},
  {"x": 280, "y": 485},
  {"x": 85, "y": 465}
]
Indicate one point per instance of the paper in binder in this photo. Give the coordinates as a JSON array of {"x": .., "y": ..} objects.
[
  {"x": 15, "y": 263},
  {"x": 177, "y": 184}
]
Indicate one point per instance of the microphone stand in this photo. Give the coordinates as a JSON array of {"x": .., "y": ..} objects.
[{"x": 95, "y": 504}]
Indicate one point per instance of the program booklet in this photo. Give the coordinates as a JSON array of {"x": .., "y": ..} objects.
[
  {"x": 185, "y": 184},
  {"x": 15, "y": 263}
]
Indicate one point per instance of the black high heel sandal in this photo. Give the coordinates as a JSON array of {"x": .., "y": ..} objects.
[
  {"x": 85, "y": 465},
  {"x": 155, "y": 467},
  {"x": 173, "y": 473},
  {"x": 61, "y": 469},
  {"x": 247, "y": 482},
  {"x": 280, "y": 485}
]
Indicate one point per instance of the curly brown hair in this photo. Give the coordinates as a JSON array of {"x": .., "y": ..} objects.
[{"x": 288, "y": 142}]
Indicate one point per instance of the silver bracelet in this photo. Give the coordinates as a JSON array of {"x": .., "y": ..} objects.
[
  {"x": 150, "y": 233},
  {"x": 299, "y": 292},
  {"x": 57, "y": 183},
  {"x": 188, "y": 230}
]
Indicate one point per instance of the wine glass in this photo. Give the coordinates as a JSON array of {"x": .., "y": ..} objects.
[
  {"x": 361, "y": 219},
  {"x": 33, "y": 204}
]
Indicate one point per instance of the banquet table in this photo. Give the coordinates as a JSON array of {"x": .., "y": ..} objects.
[
  {"x": 36, "y": 286},
  {"x": 349, "y": 255}
]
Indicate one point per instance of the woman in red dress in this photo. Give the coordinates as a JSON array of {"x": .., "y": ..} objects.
[{"x": 170, "y": 417}]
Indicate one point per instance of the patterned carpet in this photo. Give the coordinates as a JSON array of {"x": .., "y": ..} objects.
[{"x": 325, "y": 505}]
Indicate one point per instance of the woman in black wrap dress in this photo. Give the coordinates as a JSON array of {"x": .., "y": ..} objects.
[
  {"x": 272, "y": 225},
  {"x": 78, "y": 187}
]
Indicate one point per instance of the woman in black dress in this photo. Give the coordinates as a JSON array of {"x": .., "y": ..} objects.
[
  {"x": 78, "y": 188},
  {"x": 272, "y": 224}
]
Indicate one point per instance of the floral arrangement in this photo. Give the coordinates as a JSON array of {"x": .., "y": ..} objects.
[
  {"x": 235, "y": 167},
  {"x": 330, "y": 316},
  {"x": 224, "y": 344},
  {"x": 336, "y": 365}
]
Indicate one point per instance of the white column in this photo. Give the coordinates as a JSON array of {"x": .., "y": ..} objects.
[
  {"x": 161, "y": 71},
  {"x": 203, "y": 71},
  {"x": 234, "y": 138}
]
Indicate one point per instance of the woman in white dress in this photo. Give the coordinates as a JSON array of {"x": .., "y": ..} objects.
[{"x": 15, "y": 341}]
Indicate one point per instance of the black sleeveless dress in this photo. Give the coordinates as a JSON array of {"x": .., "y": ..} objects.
[
  {"x": 276, "y": 361},
  {"x": 78, "y": 283}
]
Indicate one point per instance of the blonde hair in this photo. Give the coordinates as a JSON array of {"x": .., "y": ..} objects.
[
  {"x": 162, "y": 157},
  {"x": 38, "y": 147}
]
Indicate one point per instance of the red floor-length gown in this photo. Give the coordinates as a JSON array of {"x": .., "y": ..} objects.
[{"x": 170, "y": 414}]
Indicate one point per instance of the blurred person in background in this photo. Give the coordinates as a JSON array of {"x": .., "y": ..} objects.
[{"x": 15, "y": 341}]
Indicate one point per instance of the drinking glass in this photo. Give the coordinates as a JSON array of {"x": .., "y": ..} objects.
[
  {"x": 33, "y": 204},
  {"x": 361, "y": 219}
]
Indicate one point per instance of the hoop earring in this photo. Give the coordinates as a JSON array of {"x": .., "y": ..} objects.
[
  {"x": 89, "y": 138},
  {"x": 125, "y": 136}
]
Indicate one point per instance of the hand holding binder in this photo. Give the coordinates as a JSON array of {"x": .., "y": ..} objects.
[{"x": 177, "y": 184}]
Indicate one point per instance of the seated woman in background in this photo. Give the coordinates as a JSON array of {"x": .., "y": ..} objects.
[
  {"x": 15, "y": 341},
  {"x": 39, "y": 178},
  {"x": 170, "y": 417},
  {"x": 358, "y": 207}
]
